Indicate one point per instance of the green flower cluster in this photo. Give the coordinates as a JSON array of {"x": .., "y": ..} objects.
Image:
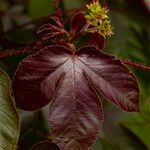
[{"x": 98, "y": 19}]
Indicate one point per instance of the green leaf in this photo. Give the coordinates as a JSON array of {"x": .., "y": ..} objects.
[
  {"x": 114, "y": 136},
  {"x": 38, "y": 8},
  {"x": 103, "y": 144},
  {"x": 9, "y": 119},
  {"x": 72, "y": 4},
  {"x": 139, "y": 124}
]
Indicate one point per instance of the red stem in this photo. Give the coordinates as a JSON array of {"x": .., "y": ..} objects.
[
  {"x": 136, "y": 65},
  {"x": 56, "y": 4},
  {"x": 58, "y": 11},
  {"x": 20, "y": 51}
]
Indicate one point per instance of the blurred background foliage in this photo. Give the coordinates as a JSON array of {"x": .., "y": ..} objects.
[{"x": 19, "y": 20}]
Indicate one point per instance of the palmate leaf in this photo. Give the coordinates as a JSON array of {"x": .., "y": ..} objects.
[
  {"x": 9, "y": 119},
  {"x": 71, "y": 82}
]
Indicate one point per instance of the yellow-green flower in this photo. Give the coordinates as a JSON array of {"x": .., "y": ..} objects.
[{"x": 97, "y": 17}]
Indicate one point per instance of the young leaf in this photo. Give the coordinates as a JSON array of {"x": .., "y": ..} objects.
[
  {"x": 97, "y": 40},
  {"x": 78, "y": 22},
  {"x": 70, "y": 81},
  {"x": 9, "y": 119},
  {"x": 51, "y": 30}
]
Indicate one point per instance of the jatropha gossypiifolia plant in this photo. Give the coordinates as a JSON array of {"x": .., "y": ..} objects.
[{"x": 72, "y": 80}]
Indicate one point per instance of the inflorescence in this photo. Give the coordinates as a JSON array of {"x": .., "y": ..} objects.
[{"x": 97, "y": 18}]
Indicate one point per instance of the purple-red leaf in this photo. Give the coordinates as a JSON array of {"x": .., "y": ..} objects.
[
  {"x": 75, "y": 110},
  {"x": 71, "y": 82},
  {"x": 78, "y": 22},
  {"x": 97, "y": 40}
]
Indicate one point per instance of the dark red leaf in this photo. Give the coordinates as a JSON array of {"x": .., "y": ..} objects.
[
  {"x": 45, "y": 145},
  {"x": 75, "y": 111},
  {"x": 70, "y": 80},
  {"x": 97, "y": 40},
  {"x": 78, "y": 22}
]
